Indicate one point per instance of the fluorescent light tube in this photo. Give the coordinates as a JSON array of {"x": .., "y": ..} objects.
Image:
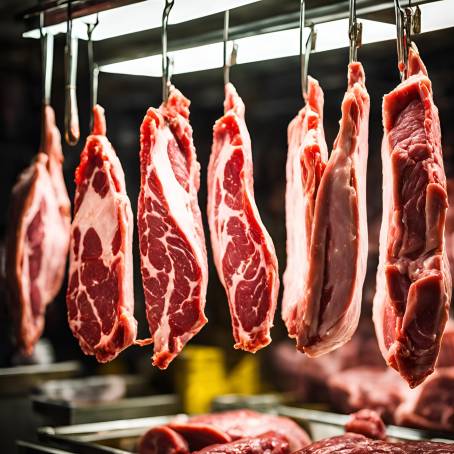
[
  {"x": 268, "y": 46},
  {"x": 141, "y": 16}
]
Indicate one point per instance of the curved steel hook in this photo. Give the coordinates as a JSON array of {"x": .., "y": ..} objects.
[
  {"x": 228, "y": 63},
  {"x": 355, "y": 32},
  {"x": 167, "y": 62},
  {"x": 47, "y": 57},
  {"x": 93, "y": 69},
  {"x": 72, "y": 132},
  {"x": 305, "y": 49}
]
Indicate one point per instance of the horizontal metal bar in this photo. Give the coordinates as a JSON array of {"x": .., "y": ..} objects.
[{"x": 257, "y": 18}]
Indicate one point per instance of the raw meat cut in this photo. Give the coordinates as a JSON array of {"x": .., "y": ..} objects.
[
  {"x": 172, "y": 244},
  {"x": 413, "y": 279},
  {"x": 243, "y": 251},
  {"x": 201, "y": 431},
  {"x": 368, "y": 387},
  {"x": 160, "y": 440},
  {"x": 431, "y": 405},
  {"x": 446, "y": 356},
  {"x": 268, "y": 443},
  {"x": 449, "y": 230},
  {"x": 351, "y": 443},
  {"x": 368, "y": 423},
  {"x": 306, "y": 160},
  {"x": 328, "y": 314},
  {"x": 37, "y": 237},
  {"x": 100, "y": 296}
]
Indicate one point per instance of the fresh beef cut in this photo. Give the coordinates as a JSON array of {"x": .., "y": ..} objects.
[
  {"x": 375, "y": 388},
  {"x": 172, "y": 244},
  {"x": 368, "y": 423},
  {"x": 243, "y": 251},
  {"x": 430, "y": 405},
  {"x": 352, "y": 443},
  {"x": 328, "y": 305},
  {"x": 199, "y": 432},
  {"x": 162, "y": 439},
  {"x": 268, "y": 443},
  {"x": 100, "y": 296},
  {"x": 413, "y": 279},
  {"x": 38, "y": 237},
  {"x": 306, "y": 159}
]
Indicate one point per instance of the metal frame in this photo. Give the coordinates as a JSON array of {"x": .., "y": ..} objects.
[{"x": 256, "y": 18}]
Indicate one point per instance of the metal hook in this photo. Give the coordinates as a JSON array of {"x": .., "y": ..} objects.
[
  {"x": 93, "y": 69},
  {"x": 47, "y": 56},
  {"x": 408, "y": 22},
  {"x": 305, "y": 49},
  {"x": 228, "y": 63},
  {"x": 72, "y": 132},
  {"x": 167, "y": 63},
  {"x": 355, "y": 32}
]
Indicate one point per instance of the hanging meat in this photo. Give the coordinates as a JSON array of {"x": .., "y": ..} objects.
[
  {"x": 326, "y": 221},
  {"x": 172, "y": 243},
  {"x": 413, "y": 279},
  {"x": 242, "y": 248},
  {"x": 100, "y": 294},
  {"x": 38, "y": 237},
  {"x": 306, "y": 160}
]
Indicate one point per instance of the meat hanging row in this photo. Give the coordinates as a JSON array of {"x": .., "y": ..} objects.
[{"x": 325, "y": 220}]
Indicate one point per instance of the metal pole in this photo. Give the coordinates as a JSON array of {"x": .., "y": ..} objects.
[{"x": 166, "y": 63}]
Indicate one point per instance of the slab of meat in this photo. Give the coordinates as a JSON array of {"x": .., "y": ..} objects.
[
  {"x": 38, "y": 238},
  {"x": 328, "y": 314},
  {"x": 368, "y": 423},
  {"x": 446, "y": 356},
  {"x": 374, "y": 388},
  {"x": 160, "y": 440},
  {"x": 413, "y": 279},
  {"x": 243, "y": 251},
  {"x": 351, "y": 443},
  {"x": 201, "y": 431},
  {"x": 306, "y": 160},
  {"x": 172, "y": 244},
  {"x": 100, "y": 294},
  {"x": 268, "y": 443},
  {"x": 431, "y": 405}
]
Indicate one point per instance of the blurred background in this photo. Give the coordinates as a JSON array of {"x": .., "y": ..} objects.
[{"x": 271, "y": 93}]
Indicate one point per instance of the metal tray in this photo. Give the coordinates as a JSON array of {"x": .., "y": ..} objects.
[
  {"x": 20, "y": 380},
  {"x": 68, "y": 413},
  {"x": 323, "y": 424},
  {"x": 106, "y": 398},
  {"x": 121, "y": 437}
]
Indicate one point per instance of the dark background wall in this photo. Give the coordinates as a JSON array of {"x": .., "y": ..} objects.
[{"x": 271, "y": 92}]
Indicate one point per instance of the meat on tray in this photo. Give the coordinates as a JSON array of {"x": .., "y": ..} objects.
[
  {"x": 374, "y": 388},
  {"x": 199, "y": 432},
  {"x": 306, "y": 159},
  {"x": 100, "y": 295},
  {"x": 430, "y": 405},
  {"x": 268, "y": 443},
  {"x": 243, "y": 251},
  {"x": 322, "y": 302},
  {"x": 172, "y": 243},
  {"x": 37, "y": 237},
  {"x": 352, "y": 443},
  {"x": 367, "y": 436},
  {"x": 413, "y": 279}
]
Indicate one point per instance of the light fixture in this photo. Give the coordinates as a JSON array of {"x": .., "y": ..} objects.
[
  {"x": 140, "y": 16},
  {"x": 267, "y": 46}
]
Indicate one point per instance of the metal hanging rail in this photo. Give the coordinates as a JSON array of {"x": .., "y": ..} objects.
[{"x": 264, "y": 16}]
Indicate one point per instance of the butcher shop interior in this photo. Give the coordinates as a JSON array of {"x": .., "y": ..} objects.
[{"x": 226, "y": 226}]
